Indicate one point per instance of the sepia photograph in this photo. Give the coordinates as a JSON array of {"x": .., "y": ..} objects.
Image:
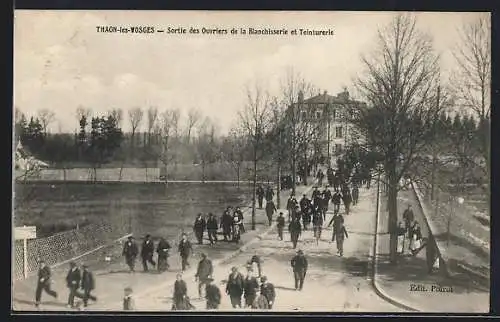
[{"x": 247, "y": 162}]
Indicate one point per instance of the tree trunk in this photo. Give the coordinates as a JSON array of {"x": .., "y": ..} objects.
[
  {"x": 146, "y": 173},
  {"x": 254, "y": 186},
  {"x": 393, "y": 214},
  {"x": 120, "y": 175},
  {"x": 306, "y": 170},
  {"x": 433, "y": 176},
  {"x": 238, "y": 175},
  {"x": 64, "y": 173},
  {"x": 294, "y": 173},
  {"x": 278, "y": 186},
  {"x": 203, "y": 171}
]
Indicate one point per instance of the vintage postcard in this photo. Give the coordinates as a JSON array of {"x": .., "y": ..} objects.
[{"x": 227, "y": 161}]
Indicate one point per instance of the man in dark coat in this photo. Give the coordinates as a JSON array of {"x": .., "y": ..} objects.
[
  {"x": 336, "y": 220},
  {"x": 212, "y": 227},
  {"x": 163, "y": 249},
  {"x": 267, "y": 290},
  {"x": 43, "y": 283},
  {"x": 299, "y": 265},
  {"x": 226, "y": 223},
  {"x": 295, "y": 231},
  {"x": 130, "y": 251},
  {"x": 355, "y": 195},
  {"x": 269, "y": 193},
  {"x": 316, "y": 195},
  {"x": 234, "y": 287},
  {"x": 87, "y": 285},
  {"x": 212, "y": 294},
  {"x": 339, "y": 234},
  {"x": 73, "y": 279},
  {"x": 305, "y": 203},
  {"x": 329, "y": 176},
  {"x": 408, "y": 218},
  {"x": 250, "y": 287},
  {"x": 203, "y": 272},
  {"x": 239, "y": 214},
  {"x": 306, "y": 217},
  {"x": 270, "y": 209},
  {"x": 290, "y": 206},
  {"x": 199, "y": 228},
  {"x": 336, "y": 198},
  {"x": 147, "y": 252},
  {"x": 185, "y": 249},
  {"x": 347, "y": 199},
  {"x": 280, "y": 225},
  {"x": 317, "y": 223},
  {"x": 320, "y": 175},
  {"x": 327, "y": 196},
  {"x": 260, "y": 195}
]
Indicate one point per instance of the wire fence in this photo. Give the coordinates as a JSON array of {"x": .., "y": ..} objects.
[{"x": 70, "y": 244}]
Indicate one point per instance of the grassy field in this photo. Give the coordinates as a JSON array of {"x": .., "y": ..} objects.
[{"x": 155, "y": 208}]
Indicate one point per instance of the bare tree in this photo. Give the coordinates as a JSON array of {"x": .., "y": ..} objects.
[
  {"x": 206, "y": 144},
  {"x": 193, "y": 117},
  {"x": 399, "y": 84},
  {"x": 166, "y": 128},
  {"x": 473, "y": 78},
  {"x": 152, "y": 118},
  {"x": 117, "y": 114},
  {"x": 299, "y": 129},
  {"x": 82, "y": 112},
  {"x": 255, "y": 120},
  {"x": 233, "y": 150},
  {"x": 46, "y": 117},
  {"x": 135, "y": 117}
]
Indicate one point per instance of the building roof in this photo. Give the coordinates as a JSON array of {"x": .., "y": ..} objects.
[{"x": 324, "y": 98}]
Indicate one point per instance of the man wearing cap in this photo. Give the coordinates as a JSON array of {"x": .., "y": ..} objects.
[
  {"x": 147, "y": 252},
  {"x": 212, "y": 227},
  {"x": 130, "y": 251},
  {"x": 73, "y": 282},
  {"x": 226, "y": 223},
  {"x": 295, "y": 230},
  {"x": 212, "y": 294},
  {"x": 185, "y": 249},
  {"x": 290, "y": 206},
  {"x": 250, "y": 287},
  {"x": 43, "y": 283},
  {"x": 270, "y": 209},
  {"x": 260, "y": 195},
  {"x": 234, "y": 287},
  {"x": 199, "y": 228},
  {"x": 267, "y": 290},
  {"x": 299, "y": 265},
  {"x": 203, "y": 273},
  {"x": 280, "y": 225},
  {"x": 87, "y": 285}
]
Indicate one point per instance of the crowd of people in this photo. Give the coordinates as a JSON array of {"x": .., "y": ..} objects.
[{"x": 252, "y": 290}]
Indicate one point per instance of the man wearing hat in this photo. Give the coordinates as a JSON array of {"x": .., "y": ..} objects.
[
  {"x": 295, "y": 230},
  {"x": 267, "y": 290},
  {"x": 73, "y": 282},
  {"x": 87, "y": 285},
  {"x": 212, "y": 294},
  {"x": 234, "y": 287},
  {"x": 162, "y": 249},
  {"x": 203, "y": 273},
  {"x": 299, "y": 265},
  {"x": 43, "y": 283},
  {"x": 212, "y": 227},
  {"x": 250, "y": 287},
  {"x": 199, "y": 227},
  {"x": 130, "y": 251},
  {"x": 147, "y": 252},
  {"x": 185, "y": 248}
]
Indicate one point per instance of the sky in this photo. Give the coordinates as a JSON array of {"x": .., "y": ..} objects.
[{"x": 61, "y": 62}]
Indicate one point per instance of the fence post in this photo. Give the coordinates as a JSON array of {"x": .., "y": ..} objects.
[{"x": 25, "y": 258}]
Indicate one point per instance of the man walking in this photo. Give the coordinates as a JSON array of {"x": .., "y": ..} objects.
[
  {"x": 267, "y": 290},
  {"x": 212, "y": 227},
  {"x": 339, "y": 233},
  {"x": 212, "y": 294},
  {"x": 295, "y": 231},
  {"x": 185, "y": 249},
  {"x": 130, "y": 251},
  {"x": 258, "y": 261},
  {"x": 347, "y": 199},
  {"x": 260, "y": 195},
  {"x": 227, "y": 223},
  {"x": 203, "y": 273},
  {"x": 199, "y": 228},
  {"x": 87, "y": 285},
  {"x": 290, "y": 206},
  {"x": 280, "y": 225},
  {"x": 73, "y": 282},
  {"x": 408, "y": 218},
  {"x": 180, "y": 298},
  {"x": 43, "y": 283},
  {"x": 355, "y": 195},
  {"x": 270, "y": 209},
  {"x": 162, "y": 249},
  {"x": 147, "y": 252},
  {"x": 269, "y": 193},
  {"x": 317, "y": 224},
  {"x": 234, "y": 287},
  {"x": 299, "y": 265},
  {"x": 336, "y": 198},
  {"x": 250, "y": 287},
  {"x": 327, "y": 195}
]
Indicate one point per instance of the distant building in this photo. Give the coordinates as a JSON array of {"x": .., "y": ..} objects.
[{"x": 330, "y": 116}]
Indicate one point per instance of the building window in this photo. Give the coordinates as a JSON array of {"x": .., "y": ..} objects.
[
  {"x": 318, "y": 115},
  {"x": 338, "y": 148},
  {"x": 338, "y": 132},
  {"x": 304, "y": 115}
]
